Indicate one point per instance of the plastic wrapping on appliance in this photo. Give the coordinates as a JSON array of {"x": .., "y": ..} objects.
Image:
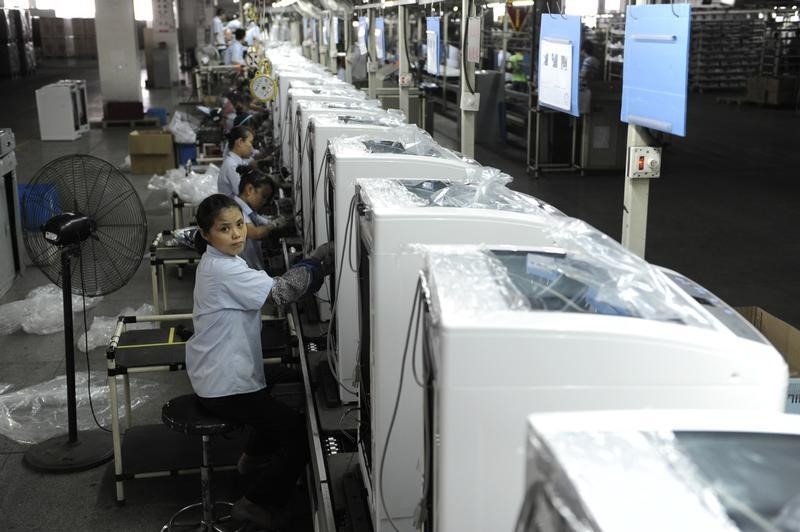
[
  {"x": 183, "y": 128},
  {"x": 366, "y": 105},
  {"x": 619, "y": 278},
  {"x": 471, "y": 280},
  {"x": 102, "y": 327},
  {"x": 617, "y": 281},
  {"x": 378, "y": 118},
  {"x": 624, "y": 481},
  {"x": 410, "y": 138},
  {"x": 41, "y": 312},
  {"x": 491, "y": 193},
  {"x": 389, "y": 193},
  {"x": 344, "y": 91},
  {"x": 39, "y": 412},
  {"x": 488, "y": 189}
]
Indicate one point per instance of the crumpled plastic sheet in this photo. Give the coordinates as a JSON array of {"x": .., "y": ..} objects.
[
  {"x": 102, "y": 327},
  {"x": 185, "y": 237},
  {"x": 4, "y": 387},
  {"x": 39, "y": 412},
  {"x": 126, "y": 164},
  {"x": 489, "y": 192},
  {"x": 41, "y": 312},
  {"x": 183, "y": 128},
  {"x": 191, "y": 188},
  {"x": 379, "y": 118},
  {"x": 407, "y": 139}
]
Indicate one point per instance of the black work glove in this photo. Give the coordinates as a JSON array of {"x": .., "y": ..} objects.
[{"x": 326, "y": 255}]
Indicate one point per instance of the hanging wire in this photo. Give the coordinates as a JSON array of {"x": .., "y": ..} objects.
[
  {"x": 672, "y": 7},
  {"x": 561, "y": 10}
]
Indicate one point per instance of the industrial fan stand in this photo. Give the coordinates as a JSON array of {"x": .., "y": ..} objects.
[{"x": 77, "y": 451}]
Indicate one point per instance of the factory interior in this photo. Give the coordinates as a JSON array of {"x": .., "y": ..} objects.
[{"x": 518, "y": 266}]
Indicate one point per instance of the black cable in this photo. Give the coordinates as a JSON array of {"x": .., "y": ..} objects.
[
  {"x": 414, "y": 306},
  {"x": 86, "y": 343}
]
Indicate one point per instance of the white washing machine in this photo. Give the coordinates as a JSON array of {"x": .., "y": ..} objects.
[
  {"x": 402, "y": 152},
  {"x": 394, "y": 217},
  {"x": 583, "y": 325},
  {"x": 288, "y": 131},
  {"x": 661, "y": 471}
]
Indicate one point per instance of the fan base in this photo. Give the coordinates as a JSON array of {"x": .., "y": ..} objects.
[{"x": 58, "y": 455}]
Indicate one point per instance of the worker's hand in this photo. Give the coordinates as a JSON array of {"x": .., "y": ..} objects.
[{"x": 325, "y": 254}]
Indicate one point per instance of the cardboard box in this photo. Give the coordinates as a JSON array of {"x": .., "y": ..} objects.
[
  {"x": 151, "y": 151},
  {"x": 786, "y": 340}
]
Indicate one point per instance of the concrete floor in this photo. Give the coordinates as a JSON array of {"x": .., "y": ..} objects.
[{"x": 725, "y": 213}]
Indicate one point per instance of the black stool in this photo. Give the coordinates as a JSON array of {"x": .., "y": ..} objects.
[{"x": 185, "y": 414}]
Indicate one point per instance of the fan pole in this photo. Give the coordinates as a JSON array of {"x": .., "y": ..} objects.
[
  {"x": 69, "y": 346},
  {"x": 77, "y": 451}
]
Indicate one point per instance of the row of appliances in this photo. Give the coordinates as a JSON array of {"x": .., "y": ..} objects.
[{"x": 459, "y": 307}]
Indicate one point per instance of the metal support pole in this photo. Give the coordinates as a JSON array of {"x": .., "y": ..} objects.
[
  {"x": 634, "y": 209},
  {"x": 405, "y": 60},
  {"x": 467, "y": 78},
  {"x": 348, "y": 31},
  {"x": 372, "y": 58},
  {"x": 444, "y": 66}
]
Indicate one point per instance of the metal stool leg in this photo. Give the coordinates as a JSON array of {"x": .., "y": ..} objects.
[{"x": 207, "y": 505}]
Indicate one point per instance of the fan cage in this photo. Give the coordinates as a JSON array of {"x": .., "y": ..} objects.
[{"x": 84, "y": 184}]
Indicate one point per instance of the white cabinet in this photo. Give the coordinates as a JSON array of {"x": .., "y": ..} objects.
[{"x": 63, "y": 110}]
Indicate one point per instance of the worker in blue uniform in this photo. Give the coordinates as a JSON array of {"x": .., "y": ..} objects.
[
  {"x": 255, "y": 190},
  {"x": 224, "y": 359},
  {"x": 240, "y": 152},
  {"x": 234, "y": 55}
]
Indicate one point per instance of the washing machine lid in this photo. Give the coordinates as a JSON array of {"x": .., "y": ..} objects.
[
  {"x": 667, "y": 470},
  {"x": 584, "y": 272}
]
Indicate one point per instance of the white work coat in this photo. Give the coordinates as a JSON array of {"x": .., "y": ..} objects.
[{"x": 223, "y": 356}]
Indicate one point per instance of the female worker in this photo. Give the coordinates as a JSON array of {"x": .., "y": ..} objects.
[
  {"x": 240, "y": 152},
  {"x": 224, "y": 358},
  {"x": 255, "y": 190}
]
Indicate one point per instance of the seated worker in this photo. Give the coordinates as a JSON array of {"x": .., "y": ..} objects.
[
  {"x": 234, "y": 55},
  {"x": 224, "y": 358},
  {"x": 255, "y": 190},
  {"x": 240, "y": 152}
]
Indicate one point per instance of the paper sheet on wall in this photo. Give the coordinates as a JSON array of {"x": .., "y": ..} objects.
[
  {"x": 380, "y": 42},
  {"x": 363, "y": 27},
  {"x": 474, "y": 40},
  {"x": 555, "y": 74}
]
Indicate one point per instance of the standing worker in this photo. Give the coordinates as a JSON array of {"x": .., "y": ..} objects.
[
  {"x": 240, "y": 153},
  {"x": 234, "y": 55},
  {"x": 590, "y": 65},
  {"x": 515, "y": 65},
  {"x": 218, "y": 31},
  {"x": 224, "y": 358}
]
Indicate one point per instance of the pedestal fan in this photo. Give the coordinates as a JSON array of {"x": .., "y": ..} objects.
[{"x": 85, "y": 228}]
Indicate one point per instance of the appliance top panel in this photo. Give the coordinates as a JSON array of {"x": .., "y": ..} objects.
[
  {"x": 404, "y": 140},
  {"x": 312, "y": 105},
  {"x": 584, "y": 272},
  {"x": 340, "y": 119},
  {"x": 713, "y": 480},
  {"x": 717, "y": 307},
  {"x": 483, "y": 189}
]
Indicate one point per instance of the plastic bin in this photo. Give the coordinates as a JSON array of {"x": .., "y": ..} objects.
[
  {"x": 158, "y": 112},
  {"x": 38, "y": 203},
  {"x": 185, "y": 152}
]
